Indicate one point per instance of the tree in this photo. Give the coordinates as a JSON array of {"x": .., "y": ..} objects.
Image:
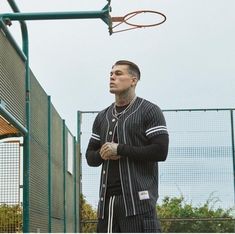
[
  {"x": 178, "y": 216},
  {"x": 10, "y": 218},
  {"x": 88, "y": 216}
]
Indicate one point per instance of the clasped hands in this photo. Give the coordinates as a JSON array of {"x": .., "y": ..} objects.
[{"x": 108, "y": 151}]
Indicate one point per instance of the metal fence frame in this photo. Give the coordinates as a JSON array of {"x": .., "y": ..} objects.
[
  {"x": 40, "y": 131},
  {"x": 82, "y": 118}
]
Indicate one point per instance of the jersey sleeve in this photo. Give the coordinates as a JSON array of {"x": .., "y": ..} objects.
[
  {"x": 95, "y": 135},
  {"x": 155, "y": 123}
]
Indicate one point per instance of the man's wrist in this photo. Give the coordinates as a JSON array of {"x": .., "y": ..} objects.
[{"x": 120, "y": 149}]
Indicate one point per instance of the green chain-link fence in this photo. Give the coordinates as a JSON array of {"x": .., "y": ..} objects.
[
  {"x": 200, "y": 163},
  {"x": 10, "y": 205},
  {"x": 51, "y": 194}
]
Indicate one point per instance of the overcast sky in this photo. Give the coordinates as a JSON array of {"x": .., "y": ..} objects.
[{"x": 187, "y": 62}]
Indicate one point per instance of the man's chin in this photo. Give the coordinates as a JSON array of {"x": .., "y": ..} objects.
[{"x": 112, "y": 91}]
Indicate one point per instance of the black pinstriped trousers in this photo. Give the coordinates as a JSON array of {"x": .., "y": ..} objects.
[{"x": 115, "y": 219}]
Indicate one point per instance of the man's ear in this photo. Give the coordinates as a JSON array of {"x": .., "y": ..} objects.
[{"x": 134, "y": 81}]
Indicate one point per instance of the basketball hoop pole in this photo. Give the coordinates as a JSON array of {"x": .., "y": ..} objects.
[{"x": 19, "y": 16}]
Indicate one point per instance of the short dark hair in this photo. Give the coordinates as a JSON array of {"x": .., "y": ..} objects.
[{"x": 133, "y": 68}]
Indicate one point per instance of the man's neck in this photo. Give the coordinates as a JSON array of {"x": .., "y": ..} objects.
[{"x": 124, "y": 99}]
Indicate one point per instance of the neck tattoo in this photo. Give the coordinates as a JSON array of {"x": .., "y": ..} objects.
[{"x": 119, "y": 114}]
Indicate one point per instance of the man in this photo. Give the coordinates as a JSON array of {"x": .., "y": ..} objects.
[{"x": 128, "y": 138}]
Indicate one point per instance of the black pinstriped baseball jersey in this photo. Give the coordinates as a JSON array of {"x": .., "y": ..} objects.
[{"x": 139, "y": 179}]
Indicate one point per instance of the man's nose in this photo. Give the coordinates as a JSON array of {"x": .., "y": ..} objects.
[{"x": 112, "y": 77}]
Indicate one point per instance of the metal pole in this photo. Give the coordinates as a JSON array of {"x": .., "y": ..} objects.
[
  {"x": 64, "y": 174},
  {"x": 26, "y": 161},
  {"x": 12, "y": 40},
  {"x": 233, "y": 150},
  {"x": 79, "y": 163},
  {"x": 75, "y": 153},
  {"x": 49, "y": 163},
  {"x": 233, "y": 155},
  {"x": 102, "y": 14},
  {"x": 55, "y": 15}
]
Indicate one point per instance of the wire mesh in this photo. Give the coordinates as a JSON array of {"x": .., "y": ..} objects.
[
  {"x": 57, "y": 173},
  {"x": 10, "y": 206},
  {"x": 199, "y": 163},
  {"x": 49, "y": 198},
  {"x": 38, "y": 199},
  {"x": 199, "y": 166},
  {"x": 12, "y": 80},
  {"x": 90, "y": 176},
  {"x": 69, "y": 181}
]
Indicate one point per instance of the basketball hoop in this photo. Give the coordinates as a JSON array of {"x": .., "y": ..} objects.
[{"x": 161, "y": 18}]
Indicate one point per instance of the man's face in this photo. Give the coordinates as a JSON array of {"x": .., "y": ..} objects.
[{"x": 120, "y": 79}]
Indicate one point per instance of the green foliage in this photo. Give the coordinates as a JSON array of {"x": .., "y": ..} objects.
[
  {"x": 176, "y": 216},
  {"x": 205, "y": 218},
  {"x": 10, "y": 218},
  {"x": 87, "y": 213}
]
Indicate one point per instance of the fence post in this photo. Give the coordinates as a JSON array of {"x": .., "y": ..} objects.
[
  {"x": 75, "y": 182},
  {"x": 79, "y": 122},
  {"x": 49, "y": 164},
  {"x": 64, "y": 173},
  {"x": 233, "y": 150},
  {"x": 233, "y": 154}
]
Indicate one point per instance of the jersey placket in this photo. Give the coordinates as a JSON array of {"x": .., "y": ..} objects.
[{"x": 112, "y": 126}]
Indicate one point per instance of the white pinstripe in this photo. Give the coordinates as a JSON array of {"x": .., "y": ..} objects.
[{"x": 110, "y": 218}]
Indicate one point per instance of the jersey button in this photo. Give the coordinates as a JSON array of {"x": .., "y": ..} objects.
[
  {"x": 110, "y": 132},
  {"x": 113, "y": 120}
]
